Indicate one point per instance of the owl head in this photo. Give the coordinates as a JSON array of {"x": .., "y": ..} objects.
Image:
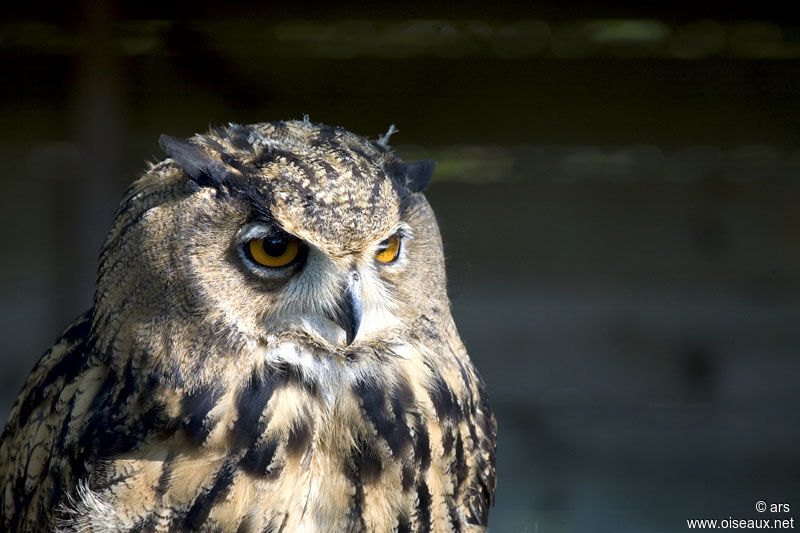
[{"x": 251, "y": 237}]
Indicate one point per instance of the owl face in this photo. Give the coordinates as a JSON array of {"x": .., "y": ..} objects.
[{"x": 252, "y": 238}]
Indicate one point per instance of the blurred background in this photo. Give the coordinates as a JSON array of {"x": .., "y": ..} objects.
[{"x": 617, "y": 188}]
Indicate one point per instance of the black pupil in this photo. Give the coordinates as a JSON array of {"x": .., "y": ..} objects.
[{"x": 275, "y": 246}]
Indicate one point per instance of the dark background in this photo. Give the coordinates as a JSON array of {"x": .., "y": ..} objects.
[{"x": 617, "y": 189}]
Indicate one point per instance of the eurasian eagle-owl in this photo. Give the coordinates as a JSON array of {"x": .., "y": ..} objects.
[{"x": 270, "y": 349}]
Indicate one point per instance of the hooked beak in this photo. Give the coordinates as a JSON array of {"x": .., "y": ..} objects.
[{"x": 347, "y": 313}]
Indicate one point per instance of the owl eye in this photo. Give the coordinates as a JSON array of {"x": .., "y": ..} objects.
[
  {"x": 389, "y": 249},
  {"x": 273, "y": 251}
]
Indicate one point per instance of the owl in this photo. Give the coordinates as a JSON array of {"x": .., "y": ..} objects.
[{"x": 270, "y": 349}]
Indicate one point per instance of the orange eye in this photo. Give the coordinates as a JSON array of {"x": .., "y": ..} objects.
[
  {"x": 273, "y": 252},
  {"x": 389, "y": 250}
]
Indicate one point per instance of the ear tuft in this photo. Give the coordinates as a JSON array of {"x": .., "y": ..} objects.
[
  {"x": 419, "y": 174},
  {"x": 200, "y": 165}
]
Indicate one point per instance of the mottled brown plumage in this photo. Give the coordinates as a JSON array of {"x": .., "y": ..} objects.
[{"x": 207, "y": 391}]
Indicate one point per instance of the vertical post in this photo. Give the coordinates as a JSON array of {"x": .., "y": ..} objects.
[{"x": 85, "y": 206}]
